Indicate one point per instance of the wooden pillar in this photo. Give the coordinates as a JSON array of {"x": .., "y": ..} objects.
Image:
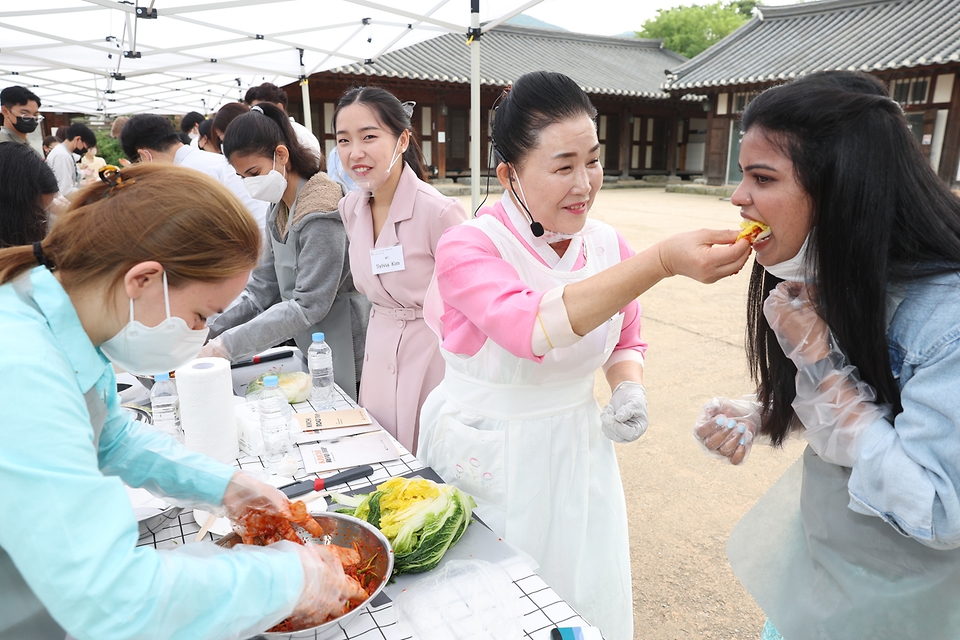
[
  {"x": 950, "y": 156},
  {"x": 440, "y": 140},
  {"x": 626, "y": 128},
  {"x": 672, "y": 142}
]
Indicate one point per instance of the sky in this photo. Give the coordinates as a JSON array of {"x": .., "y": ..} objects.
[{"x": 607, "y": 17}]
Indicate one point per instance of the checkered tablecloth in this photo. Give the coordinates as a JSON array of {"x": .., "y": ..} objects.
[{"x": 542, "y": 608}]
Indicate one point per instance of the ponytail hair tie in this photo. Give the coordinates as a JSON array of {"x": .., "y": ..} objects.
[
  {"x": 257, "y": 108},
  {"x": 42, "y": 260},
  {"x": 110, "y": 174},
  {"x": 408, "y": 107}
]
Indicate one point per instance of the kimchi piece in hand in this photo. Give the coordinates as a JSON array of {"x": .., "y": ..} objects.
[
  {"x": 753, "y": 231},
  {"x": 260, "y": 528}
]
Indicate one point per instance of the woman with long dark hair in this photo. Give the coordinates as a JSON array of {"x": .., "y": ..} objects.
[
  {"x": 854, "y": 343},
  {"x": 27, "y": 189},
  {"x": 394, "y": 222},
  {"x": 303, "y": 285},
  {"x": 532, "y": 298}
]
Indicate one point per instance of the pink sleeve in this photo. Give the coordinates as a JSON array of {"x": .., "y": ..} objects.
[
  {"x": 630, "y": 346},
  {"x": 483, "y": 296}
]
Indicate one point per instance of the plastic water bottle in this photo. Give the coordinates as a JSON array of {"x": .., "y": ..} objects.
[
  {"x": 277, "y": 447},
  {"x": 166, "y": 406},
  {"x": 320, "y": 360}
]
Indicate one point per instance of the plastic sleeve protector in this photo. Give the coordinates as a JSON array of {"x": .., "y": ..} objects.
[{"x": 833, "y": 403}]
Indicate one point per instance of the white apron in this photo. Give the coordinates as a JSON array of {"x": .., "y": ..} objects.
[{"x": 524, "y": 439}]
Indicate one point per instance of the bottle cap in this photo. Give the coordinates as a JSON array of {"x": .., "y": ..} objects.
[
  {"x": 161, "y": 377},
  {"x": 318, "y": 336},
  {"x": 270, "y": 382}
]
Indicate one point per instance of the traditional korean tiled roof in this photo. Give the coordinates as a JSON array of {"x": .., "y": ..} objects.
[
  {"x": 855, "y": 35},
  {"x": 600, "y": 65}
]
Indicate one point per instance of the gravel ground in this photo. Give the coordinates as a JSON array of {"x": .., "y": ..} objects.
[{"x": 681, "y": 504}]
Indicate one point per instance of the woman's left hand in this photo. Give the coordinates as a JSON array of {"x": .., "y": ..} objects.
[
  {"x": 625, "y": 418},
  {"x": 802, "y": 333},
  {"x": 705, "y": 255}
]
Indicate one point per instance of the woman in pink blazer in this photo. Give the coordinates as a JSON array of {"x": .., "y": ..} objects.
[{"x": 393, "y": 222}]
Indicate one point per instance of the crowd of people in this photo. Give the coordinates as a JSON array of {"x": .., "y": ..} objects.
[{"x": 474, "y": 342}]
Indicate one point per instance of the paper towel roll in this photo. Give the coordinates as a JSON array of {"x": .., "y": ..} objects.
[{"x": 206, "y": 408}]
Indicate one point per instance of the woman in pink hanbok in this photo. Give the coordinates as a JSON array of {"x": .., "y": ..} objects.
[
  {"x": 394, "y": 222},
  {"x": 533, "y": 297}
]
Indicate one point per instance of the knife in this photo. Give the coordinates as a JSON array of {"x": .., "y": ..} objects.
[
  {"x": 280, "y": 355},
  {"x": 320, "y": 484}
]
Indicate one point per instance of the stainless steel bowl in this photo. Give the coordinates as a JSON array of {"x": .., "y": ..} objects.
[{"x": 344, "y": 531}]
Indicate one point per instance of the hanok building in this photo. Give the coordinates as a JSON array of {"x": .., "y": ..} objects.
[
  {"x": 642, "y": 130},
  {"x": 912, "y": 45}
]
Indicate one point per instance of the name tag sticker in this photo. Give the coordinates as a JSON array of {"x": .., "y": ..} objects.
[{"x": 387, "y": 259}]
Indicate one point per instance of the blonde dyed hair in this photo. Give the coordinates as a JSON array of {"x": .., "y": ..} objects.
[{"x": 189, "y": 223}]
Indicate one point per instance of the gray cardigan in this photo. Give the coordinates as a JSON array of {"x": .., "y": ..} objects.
[{"x": 262, "y": 319}]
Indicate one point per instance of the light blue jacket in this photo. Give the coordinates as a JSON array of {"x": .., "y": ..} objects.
[
  {"x": 65, "y": 519},
  {"x": 908, "y": 472}
]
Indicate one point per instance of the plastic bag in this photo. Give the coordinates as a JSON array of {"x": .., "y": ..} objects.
[
  {"x": 296, "y": 385},
  {"x": 462, "y": 600}
]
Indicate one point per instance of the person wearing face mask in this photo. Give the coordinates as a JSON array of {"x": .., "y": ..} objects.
[
  {"x": 148, "y": 137},
  {"x": 64, "y": 157},
  {"x": 531, "y": 298},
  {"x": 304, "y": 284},
  {"x": 205, "y": 140},
  {"x": 394, "y": 221},
  {"x": 852, "y": 341},
  {"x": 20, "y": 111},
  {"x": 72, "y": 304}
]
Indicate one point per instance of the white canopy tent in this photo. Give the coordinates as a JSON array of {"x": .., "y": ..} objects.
[{"x": 173, "y": 56}]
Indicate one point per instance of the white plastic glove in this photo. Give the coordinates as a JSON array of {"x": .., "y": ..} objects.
[
  {"x": 246, "y": 494},
  {"x": 326, "y": 588},
  {"x": 727, "y": 428},
  {"x": 215, "y": 349},
  {"x": 833, "y": 403},
  {"x": 625, "y": 418}
]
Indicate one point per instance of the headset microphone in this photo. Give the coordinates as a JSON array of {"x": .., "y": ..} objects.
[{"x": 535, "y": 227}]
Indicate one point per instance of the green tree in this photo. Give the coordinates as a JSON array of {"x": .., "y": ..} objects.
[
  {"x": 688, "y": 30},
  {"x": 109, "y": 148}
]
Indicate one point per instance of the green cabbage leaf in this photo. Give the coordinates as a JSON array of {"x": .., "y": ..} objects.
[{"x": 420, "y": 518}]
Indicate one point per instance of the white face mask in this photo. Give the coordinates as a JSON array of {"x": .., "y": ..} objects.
[
  {"x": 268, "y": 188},
  {"x": 548, "y": 237},
  {"x": 371, "y": 182},
  {"x": 151, "y": 350},
  {"x": 795, "y": 269}
]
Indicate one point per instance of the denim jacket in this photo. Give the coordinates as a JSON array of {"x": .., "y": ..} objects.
[{"x": 908, "y": 472}]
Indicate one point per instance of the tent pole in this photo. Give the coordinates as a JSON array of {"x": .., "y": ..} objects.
[
  {"x": 307, "y": 115},
  {"x": 475, "y": 103},
  {"x": 305, "y": 94}
]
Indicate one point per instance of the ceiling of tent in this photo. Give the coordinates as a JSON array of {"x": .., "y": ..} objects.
[{"x": 99, "y": 57}]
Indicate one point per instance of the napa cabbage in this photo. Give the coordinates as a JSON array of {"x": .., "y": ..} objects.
[{"x": 422, "y": 519}]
